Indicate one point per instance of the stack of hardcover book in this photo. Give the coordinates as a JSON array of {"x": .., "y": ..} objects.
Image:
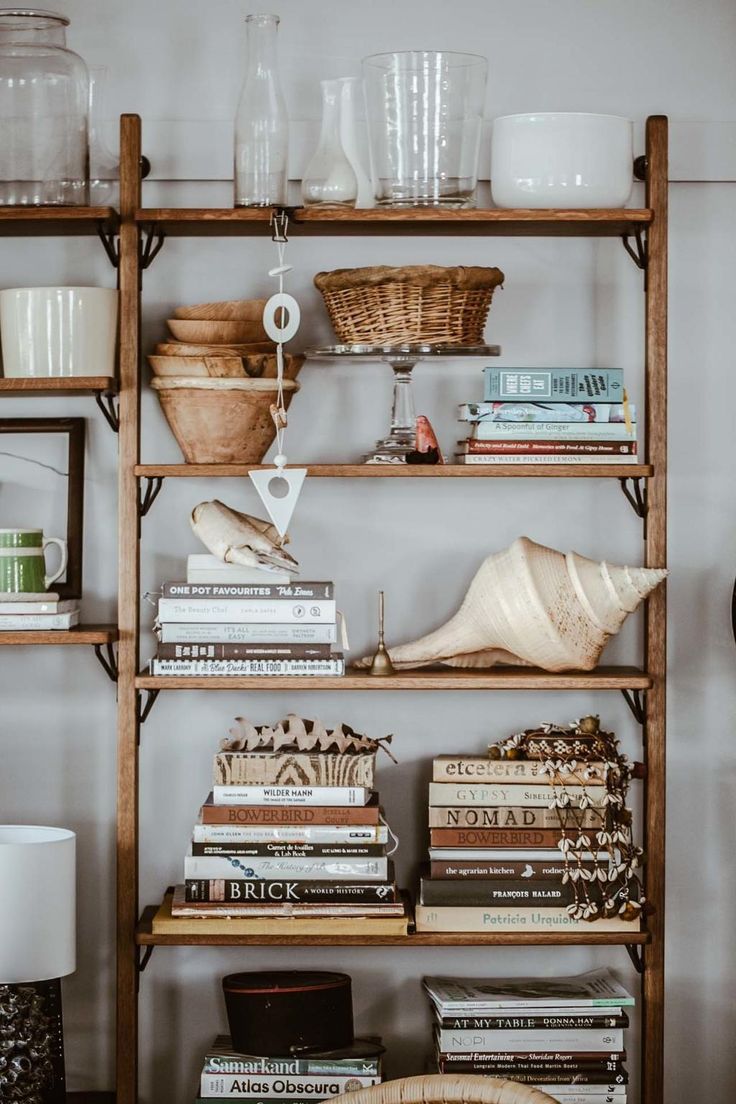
[
  {"x": 495, "y": 857},
  {"x": 291, "y": 839},
  {"x": 550, "y": 416},
  {"x": 227, "y": 1074},
  {"x": 262, "y": 626},
  {"x": 564, "y": 1036},
  {"x": 37, "y": 612}
]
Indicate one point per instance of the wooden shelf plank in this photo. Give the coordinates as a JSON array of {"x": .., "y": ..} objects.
[
  {"x": 67, "y": 385},
  {"x": 55, "y": 220},
  {"x": 80, "y": 635},
  {"x": 409, "y": 471},
  {"x": 407, "y": 220},
  {"x": 499, "y": 678}
]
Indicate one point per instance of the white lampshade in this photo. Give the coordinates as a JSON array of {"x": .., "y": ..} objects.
[{"x": 38, "y": 903}]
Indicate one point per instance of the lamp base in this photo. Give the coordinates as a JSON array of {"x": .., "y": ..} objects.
[{"x": 32, "y": 1043}]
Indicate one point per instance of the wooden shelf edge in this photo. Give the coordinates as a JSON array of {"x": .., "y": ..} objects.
[
  {"x": 67, "y": 386},
  {"x": 407, "y": 471},
  {"x": 56, "y": 220},
  {"x": 79, "y": 635},
  {"x": 509, "y": 678}
]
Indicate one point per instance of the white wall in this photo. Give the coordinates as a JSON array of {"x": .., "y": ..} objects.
[{"x": 564, "y": 302}]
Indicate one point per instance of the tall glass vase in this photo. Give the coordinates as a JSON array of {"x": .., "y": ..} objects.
[
  {"x": 261, "y": 123},
  {"x": 329, "y": 178}
]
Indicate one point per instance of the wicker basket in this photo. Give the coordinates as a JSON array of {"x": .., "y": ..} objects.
[
  {"x": 422, "y": 303},
  {"x": 448, "y": 1088}
]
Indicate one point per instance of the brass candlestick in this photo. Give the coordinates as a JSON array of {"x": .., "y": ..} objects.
[{"x": 381, "y": 665}]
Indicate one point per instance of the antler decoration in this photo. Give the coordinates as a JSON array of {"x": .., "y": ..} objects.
[
  {"x": 602, "y": 887},
  {"x": 298, "y": 734}
]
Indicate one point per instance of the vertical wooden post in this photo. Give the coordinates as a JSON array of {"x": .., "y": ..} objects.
[
  {"x": 128, "y": 569},
  {"x": 656, "y": 616}
]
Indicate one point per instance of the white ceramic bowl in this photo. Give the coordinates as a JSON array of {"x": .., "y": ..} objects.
[
  {"x": 58, "y": 331},
  {"x": 561, "y": 159}
]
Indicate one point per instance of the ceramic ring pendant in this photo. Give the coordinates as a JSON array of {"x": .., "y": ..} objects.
[{"x": 277, "y": 306}]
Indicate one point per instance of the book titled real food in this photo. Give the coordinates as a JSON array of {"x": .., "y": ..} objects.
[
  {"x": 553, "y": 384},
  {"x": 305, "y": 611},
  {"x": 202, "y": 668}
]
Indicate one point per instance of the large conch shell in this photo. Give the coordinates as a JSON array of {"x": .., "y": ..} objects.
[
  {"x": 239, "y": 538},
  {"x": 534, "y": 606}
]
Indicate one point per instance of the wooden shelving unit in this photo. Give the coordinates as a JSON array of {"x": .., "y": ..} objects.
[
  {"x": 61, "y": 388},
  {"x": 43, "y": 221},
  {"x": 644, "y": 232},
  {"x": 79, "y": 635}
]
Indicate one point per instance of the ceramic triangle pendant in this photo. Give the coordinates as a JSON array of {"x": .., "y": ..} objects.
[{"x": 280, "y": 507}]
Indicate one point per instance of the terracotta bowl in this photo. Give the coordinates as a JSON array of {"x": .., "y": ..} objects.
[
  {"x": 221, "y": 421},
  {"x": 234, "y": 310},
  {"x": 216, "y": 332},
  {"x": 252, "y": 366},
  {"x": 187, "y": 349}
]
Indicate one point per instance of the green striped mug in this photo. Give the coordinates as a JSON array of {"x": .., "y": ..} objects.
[{"x": 23, "y": 563}]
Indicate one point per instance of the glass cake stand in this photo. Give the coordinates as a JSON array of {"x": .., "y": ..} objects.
[{"x": 401, "y": 438}]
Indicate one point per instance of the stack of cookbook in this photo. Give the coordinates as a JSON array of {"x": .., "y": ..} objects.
[
  {"x": 564, "y": 1036},
  {"x": 41, "y": 612},
  {"x": 291, "y": 839}
]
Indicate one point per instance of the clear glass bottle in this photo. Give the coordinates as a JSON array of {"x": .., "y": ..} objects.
[
  {"x": 261, "y": 123},
  {"x": 329, "y": 178},
  {"x": 44, "y": 98}
]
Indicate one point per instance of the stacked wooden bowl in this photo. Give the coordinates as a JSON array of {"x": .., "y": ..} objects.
[{"x": 216, "y": 381}]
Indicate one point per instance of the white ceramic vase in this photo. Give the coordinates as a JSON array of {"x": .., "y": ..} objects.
[
  {"x": 58, "y": 331},
  {"x": 561, "y": 159}
]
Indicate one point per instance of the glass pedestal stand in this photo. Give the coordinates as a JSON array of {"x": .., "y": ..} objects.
[{"x": 401, "y": 438}]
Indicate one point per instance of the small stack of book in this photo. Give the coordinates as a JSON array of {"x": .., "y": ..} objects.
[
  {"x": 564, "y": 1036},
  {"x": 291, "y": 839},
  {"x": 37, "y": 612},
  {"x": 248, "y": 622},
  {"x": 550, "y": 416},
  {"x": 495, "y": 859},
  {"x": 227, "y": 1074}
]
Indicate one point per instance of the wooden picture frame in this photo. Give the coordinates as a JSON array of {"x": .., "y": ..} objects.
[{"x": 74, "y": 429}]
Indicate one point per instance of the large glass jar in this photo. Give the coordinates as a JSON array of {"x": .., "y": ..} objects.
[
  {"x": 44, "y": 97},
  {"x": 424, "y": 115},
  {"x": 261, "y": 123}
]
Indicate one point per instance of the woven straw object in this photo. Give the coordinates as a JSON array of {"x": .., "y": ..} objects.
[
  {"x": 448, "y": 1088},
  {"x": 421, "y": 303}
]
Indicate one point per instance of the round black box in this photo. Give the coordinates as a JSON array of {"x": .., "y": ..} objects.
[{"x": 275, "y": 1013}]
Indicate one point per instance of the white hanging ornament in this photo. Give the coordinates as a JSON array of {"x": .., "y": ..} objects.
[{"x": 279, "y": 488}]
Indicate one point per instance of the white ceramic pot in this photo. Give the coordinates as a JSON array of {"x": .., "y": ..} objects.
[
  {"x": 58, "y": 331},
  {"x": 560, "y": 159}
]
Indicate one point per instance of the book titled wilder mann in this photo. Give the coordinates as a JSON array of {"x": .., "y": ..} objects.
[{"x": 370, "y": 813}]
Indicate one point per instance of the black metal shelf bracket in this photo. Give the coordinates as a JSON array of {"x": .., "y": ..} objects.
[
  {"x": 640, "y": 167},
  {"x": 635, "y": 952},
  {"x": 109, "y": 407},
  {"x": 145, "y": 709},
  {"x": 635, "y": 700},
  {"x": 638, "y": 251},
  {"x": 109, "y": 236},
  {"x": 108, "y": 659},
  {"x": 154, "y": 483},
  {"x": 151, "y": 243},
  {"x": 144, "y": 956},
  {"x": 636, "y": 494}
]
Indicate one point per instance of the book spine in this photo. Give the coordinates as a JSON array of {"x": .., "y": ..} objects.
[
  {"x": 569, "y": 1041},
  {"x": 433, "y": 918},
  {"x": 212, "y": 868},
  {"x": 244, "y": 633},
  {"x": 531, "y": 1063},
  {"x": 242, "y": 891},
  {"x": 223, "y": 834},
  {"x": 448, "y": 768},
  {"x": 276, "y": 1087},
  {"x": 550, "y": 1076},
  {"x": 306, "y": 815},
  {"x": 292, "y": 850},
  {"x": 235, "y": 667},
  {"x": 451, "y": 793},
  {"x": 522, "y": 413},
  {"x": 298, "y": 592},
  {"x": 37, "y": 622},
  {"x": 243, "y": 651},
  {"x": 542, "y": 458},
  {"x": 500, "y": 871},
  {"x": 534, "y": 1022},
  {"x": 510, "y": 816},
  {"x": 474, "y": 892},
  {"x": 290, "y": 795},
  {"x": 233, "y": 768},
  {"x": 553, "y": 384},
  {"x": 582, "y": 1096},
  {"x": 252, "y": 610},
  {"x": 548, "y": 447},
  {"x": 498, "y": 432},
  {"x": 39, "y": 608},
  {"x": 222, "y": 1063},
  {"x": 495, "y": 837}
]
